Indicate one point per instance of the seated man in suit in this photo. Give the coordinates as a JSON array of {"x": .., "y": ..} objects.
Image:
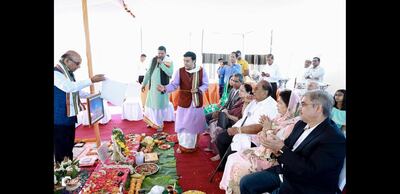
[
  {"x": 263, "y": 104},
  {"x": 235, "y": 81},
  {"x": 310, "y": 159}
]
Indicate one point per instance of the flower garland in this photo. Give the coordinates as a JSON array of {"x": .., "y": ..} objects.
[
  {"x": 106, "y": 180},
  {"x": 119, "y": 145},
  {"x": 67, "y": 168}
]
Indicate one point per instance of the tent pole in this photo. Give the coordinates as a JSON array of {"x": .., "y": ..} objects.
[
  {"x": 89, "y": 62},
  {"x": 270, "y": 46},
  {"x": 141, "y": 41}
]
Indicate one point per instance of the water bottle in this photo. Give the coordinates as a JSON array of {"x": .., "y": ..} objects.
[{"x": 139, "y": 158}]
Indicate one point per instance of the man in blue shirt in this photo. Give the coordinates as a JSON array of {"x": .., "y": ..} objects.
[
  {"x": 221, "y": 72},
  {"x": 231, "y": 68}
]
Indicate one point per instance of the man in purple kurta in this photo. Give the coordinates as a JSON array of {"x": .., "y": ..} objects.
[{"x": 192, "y": 81}]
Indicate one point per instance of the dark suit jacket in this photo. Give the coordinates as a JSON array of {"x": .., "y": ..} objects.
[
  {"x": 315, "y": 165},
  {"x": 231, "y": 100}
]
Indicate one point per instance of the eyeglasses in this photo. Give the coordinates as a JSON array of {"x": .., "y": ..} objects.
[
  {"x": 303, "y": 104},
  {"x": 236, "y": 81},
  {"x": 76, "y": 63}
]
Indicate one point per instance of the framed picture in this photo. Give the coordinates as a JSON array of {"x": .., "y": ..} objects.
[{"x": 95, "y": 108}]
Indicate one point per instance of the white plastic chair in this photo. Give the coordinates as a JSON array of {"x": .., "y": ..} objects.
[{"x": 132, "y": 107}]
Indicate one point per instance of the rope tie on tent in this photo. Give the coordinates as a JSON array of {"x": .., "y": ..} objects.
[{"x": 127, "y": 9}]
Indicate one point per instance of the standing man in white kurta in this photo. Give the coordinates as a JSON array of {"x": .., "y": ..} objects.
[{"x": 270, "y": 72}]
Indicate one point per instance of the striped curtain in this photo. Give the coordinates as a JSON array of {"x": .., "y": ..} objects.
[
  {"x": 212, "y": 58},
  {"x": 256, "y": 59},
  {"x": 210, "y": 61}
]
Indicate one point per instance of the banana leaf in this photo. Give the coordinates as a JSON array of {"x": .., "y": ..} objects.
[
  {"x": 167, "y": 174},
  {"x": 161, "y": 180}
]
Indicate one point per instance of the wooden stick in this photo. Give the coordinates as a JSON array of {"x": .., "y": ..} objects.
[
  {"x": 77, "y": 140},
  {"x": 220, "y": 163},
  {"x": 89, "y": 61}
]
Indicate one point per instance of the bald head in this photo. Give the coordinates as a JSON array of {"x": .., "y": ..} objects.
[
  {"x": 262, "y": 90},
  {"x": 307, "y": 63},
  {"x": 72, "y": 60},
  {"x": 312, "y": 85}
]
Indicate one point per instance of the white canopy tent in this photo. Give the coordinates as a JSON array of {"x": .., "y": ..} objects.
[{"x": 302, "y": 29}]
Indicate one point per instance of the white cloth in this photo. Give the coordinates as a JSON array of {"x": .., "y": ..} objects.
[
  {"x": 113, "y": 91},
  {"x": 195, "y": 69},
  {"x": 304, "y": 135},
  {"x": 132, "y": 110},
  {"x": 230, "y": 162},
  {"x": 66, "y": 85},
  {"x": 187, "y": 140},
  {"x": 306, "y": 73},
  {"x": 317, "y": 73},
  {"x": 156, "y": 116},
  {"x": 170, "y": 113},
  {"x": 132, "y": 106},
  {"x": 274, "y": 73},
  {"x": 142, "y": 68},
  {"x": 133, "y": 91},
  {"x": 157, "y": 189},
  {"x": 254, "y": 110},
  {"x": 240, "y": 142}
]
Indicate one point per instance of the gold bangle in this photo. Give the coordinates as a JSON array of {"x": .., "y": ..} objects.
[{"x": 240, "y": 129}]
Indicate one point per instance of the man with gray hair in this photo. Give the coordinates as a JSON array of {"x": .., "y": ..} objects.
[
  {"x": 67, "y": 103},
  {"x": 310, "y": 159},
  {"x": 312, "y": 85}
]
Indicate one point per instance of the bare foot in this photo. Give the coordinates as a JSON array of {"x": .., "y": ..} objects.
[
  {"x": 215, "y": 158},
  {"x": 208, "y": 150},
  {"x": 178, "y": 151}
]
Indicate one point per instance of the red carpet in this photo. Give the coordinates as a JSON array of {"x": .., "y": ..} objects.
[{"x": 193, "y": 169}]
